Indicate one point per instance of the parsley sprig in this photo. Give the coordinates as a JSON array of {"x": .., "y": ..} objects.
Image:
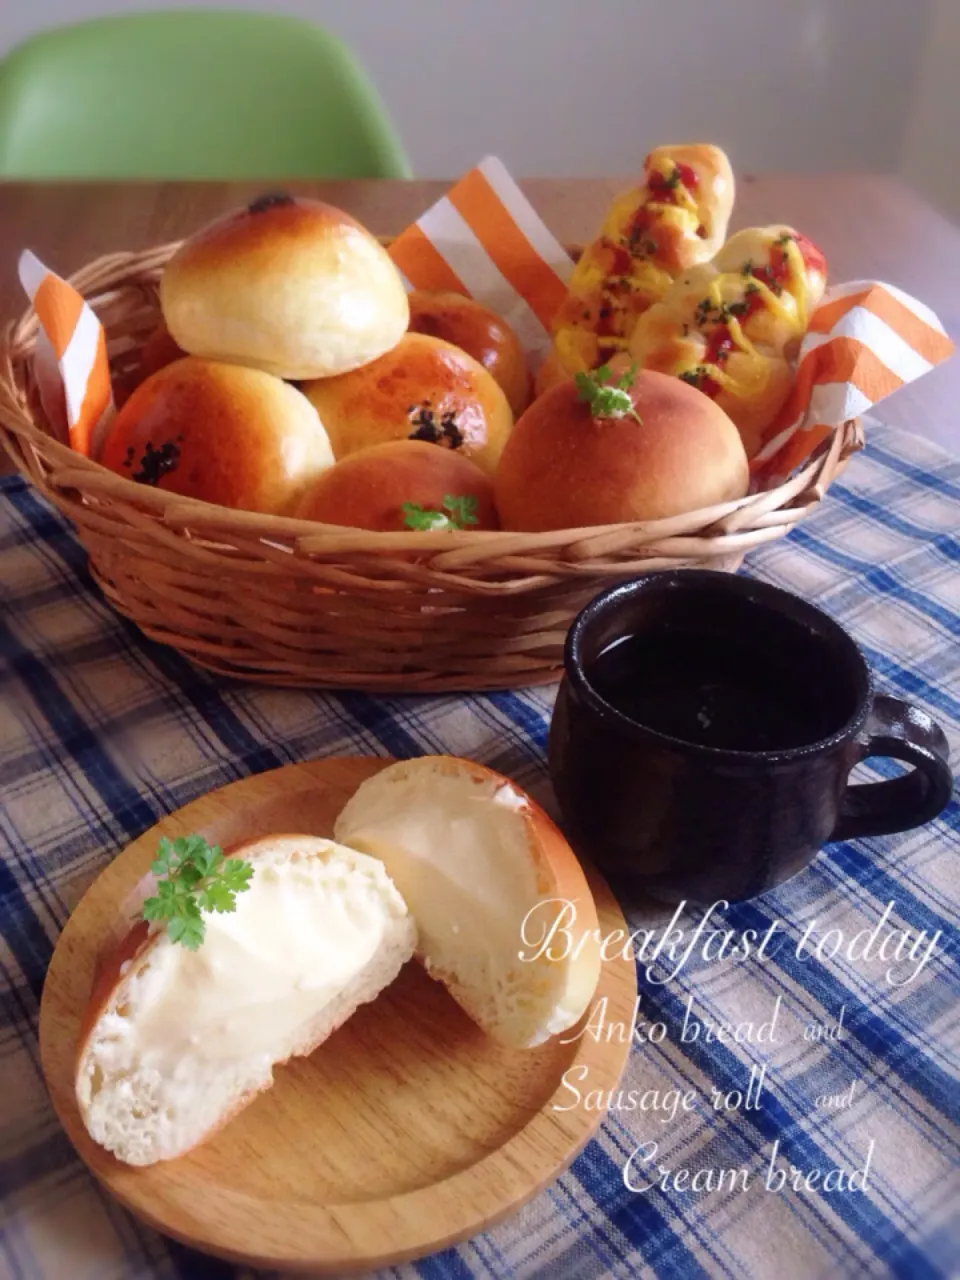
[
  {"x": 198, "y": 879},
  {"x": 457, "y": 513},
  {"x": 606, "y": 399}
]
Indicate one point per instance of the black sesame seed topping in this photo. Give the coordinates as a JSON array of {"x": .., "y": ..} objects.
[{"x": 157, "y": 463}]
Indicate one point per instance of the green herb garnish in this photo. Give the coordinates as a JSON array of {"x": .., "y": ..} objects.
[
  {"x": 606, "y": 399},
  {"x": 198, "y": 879},
  {"x": 457, "y": 513}
]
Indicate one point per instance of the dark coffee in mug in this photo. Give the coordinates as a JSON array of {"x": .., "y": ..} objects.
[
  {"x": 705, "y": 731},
  {"x": 711, "y": 690}
]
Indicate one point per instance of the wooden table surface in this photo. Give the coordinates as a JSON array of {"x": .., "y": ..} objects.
[{"x": 869, "y": 226}]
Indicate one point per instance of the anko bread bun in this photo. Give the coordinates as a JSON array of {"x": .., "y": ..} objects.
[
  {"x": 424, "y": 389},
  {"x": 478, "y": 331},
  {"x": 232, "y": 436},
  {"x": 291, "y": 286},
  {"x": 370, "y": 489},
  {"x": 486, "y": 875},
  {"x": 566, "y": 466}
]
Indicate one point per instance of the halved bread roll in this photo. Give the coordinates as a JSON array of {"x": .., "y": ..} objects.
[
  {"x": 176, "y": 1042},
  {"x": 487, "y": 877}
]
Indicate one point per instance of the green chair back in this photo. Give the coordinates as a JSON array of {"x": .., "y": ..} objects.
[{"x": 192, "y": 94}]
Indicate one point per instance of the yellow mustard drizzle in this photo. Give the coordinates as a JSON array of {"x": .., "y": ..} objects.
[{"x": 798, "y": 271}]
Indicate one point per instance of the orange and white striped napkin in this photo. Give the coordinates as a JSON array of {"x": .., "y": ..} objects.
[
  {"x": 865, "y": 340},
  {"x": 70, "y": 360},
  {"x": 484, "y": 238}
]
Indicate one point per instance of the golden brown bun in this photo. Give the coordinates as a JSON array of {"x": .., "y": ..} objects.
[
  {"x": 291, "y": 286},
  {"x": 733, "y": 326},
  {"x": 563, "y": 469},
  {"x": 481, "y": 333},
  {"x": 424, "y": 387},
  {"x": 368, "y": 489},
  {"x": 232, "y": 436}
]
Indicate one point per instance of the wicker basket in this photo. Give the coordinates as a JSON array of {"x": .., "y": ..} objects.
[{"x": 286, "y": 602}]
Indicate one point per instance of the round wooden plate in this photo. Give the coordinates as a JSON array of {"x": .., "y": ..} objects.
[{"x": 406, "y": 1131}]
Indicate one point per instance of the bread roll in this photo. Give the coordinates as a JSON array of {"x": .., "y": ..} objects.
[
  {"x": 232, "y": 436},
  {"x": 369, "y": 489},
  {"x": 422, "y": 389},
  {"x": 652, "y": 233},
  {"x": 481, "y": 333},
  {"x": 564, "y": 468},
  {"x": 291, "y": 286},
  {"x": 485, "y": 874},
  {"x": 732, "y": 327},
  {"x": 176, "y": 1042}
]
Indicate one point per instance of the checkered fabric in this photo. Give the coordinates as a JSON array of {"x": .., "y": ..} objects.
[{"x": 103, "y": 732}]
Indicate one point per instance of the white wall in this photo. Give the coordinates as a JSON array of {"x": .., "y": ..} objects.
[
  {"x": 931, "y": 151},
  {"x": 565, "y": 87}
]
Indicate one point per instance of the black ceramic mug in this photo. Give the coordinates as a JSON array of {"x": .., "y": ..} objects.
[{"x": 705, "y": 731}]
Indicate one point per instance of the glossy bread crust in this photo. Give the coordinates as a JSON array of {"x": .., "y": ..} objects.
[
  {"x": 368, "y": 489},
  {"x": 236, "y": 437},
  {"x": 295, "y": 287},
  {"x": 478, "y": 331},
  {"x": 423, "y": 387},
  {"x": 563, "y": 469}
]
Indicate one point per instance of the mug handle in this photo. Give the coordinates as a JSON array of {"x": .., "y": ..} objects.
[{"x": 902, "y": 732}]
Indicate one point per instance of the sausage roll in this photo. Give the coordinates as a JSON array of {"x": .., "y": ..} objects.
[
  {"x": 651, "y": 234},
  {"x": 732, "y": 327}
]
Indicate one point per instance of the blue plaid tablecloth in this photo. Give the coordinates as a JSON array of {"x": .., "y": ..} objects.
[{"x": 103, "y": 732}]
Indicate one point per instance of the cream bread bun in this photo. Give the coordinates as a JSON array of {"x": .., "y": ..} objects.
[
  {"x": 478, "y": 331},
  {"x": 485, "y": 874},
  {"x": 291, "y": 286},
  {"x": 175, "y": 1042},
  {"x": 370, "y": 489},
  {"x": 565, "y": 466},
  {"x": 232, "y": 436},
  {"x": 422, "y": 389}
]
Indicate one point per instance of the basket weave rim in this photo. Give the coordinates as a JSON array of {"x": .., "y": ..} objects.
[{"x": 75, "y": 470}]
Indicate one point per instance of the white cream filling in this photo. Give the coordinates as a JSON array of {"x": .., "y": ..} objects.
[
  {"x": 461, "y": 862},
  {"x": 195, "y": 1029}
]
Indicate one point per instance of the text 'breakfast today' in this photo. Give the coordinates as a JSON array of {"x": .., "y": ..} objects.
[{"x": 549, "y": 929}]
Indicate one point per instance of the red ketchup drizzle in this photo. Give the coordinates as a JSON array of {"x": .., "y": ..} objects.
[
  {"x": 779, "y": 266},
  {"x": 753, "y": 302},
  {"x": 639, "y": 223},
  {"x": 688, "y": 177},
  {"x": 660, "y": 186},
  {"x": 811, "y": 255},
  {"x": 621, "y": 264},
  {"x": 719, "y": 344}
]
